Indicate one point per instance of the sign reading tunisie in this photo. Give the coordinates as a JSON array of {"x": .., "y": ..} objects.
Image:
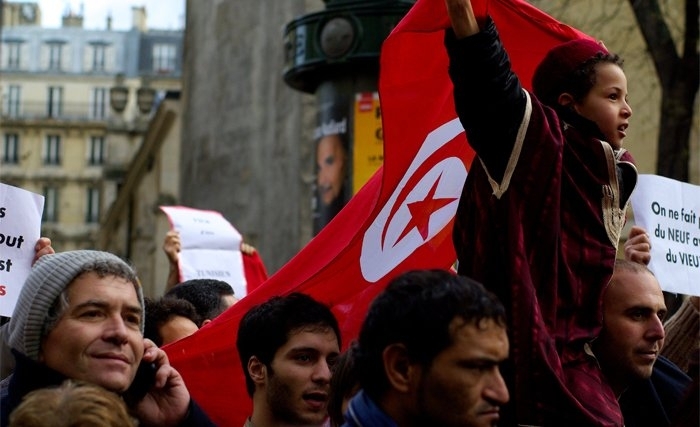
[{"x": 210, "y": 247}]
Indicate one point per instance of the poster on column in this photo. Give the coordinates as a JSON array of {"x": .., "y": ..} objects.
[
  {"x": 210, "y": 246},
  {"x": 20, "y": 228},
  {"x": 668, "y": 210},
  {"x": 332, "y": 186},
  {"x": 368, "y": 149}
]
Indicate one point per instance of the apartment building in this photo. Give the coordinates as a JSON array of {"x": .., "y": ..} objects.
[{"x": 76, "y": 104}]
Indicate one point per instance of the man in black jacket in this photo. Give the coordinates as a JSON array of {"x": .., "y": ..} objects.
[{"x": 80, "y": 315}]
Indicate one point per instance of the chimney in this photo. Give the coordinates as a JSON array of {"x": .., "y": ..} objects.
[
  {"x": 138, "y": 18},
  {"x": 72, "y": 21},
  {"x": 109, "y": 22}
]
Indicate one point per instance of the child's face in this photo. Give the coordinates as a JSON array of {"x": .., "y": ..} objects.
[{"x": 606, "y": 103}]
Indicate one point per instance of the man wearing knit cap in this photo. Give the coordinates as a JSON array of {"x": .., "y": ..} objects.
[
  {"x": 540, "y": 215},
  {"x": 80, "y": 315}
]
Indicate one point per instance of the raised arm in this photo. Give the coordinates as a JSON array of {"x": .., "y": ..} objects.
[
  {"x": 462, "y": 18},
  {"x": 171, "y": 247},
  {"x": 489, "y": 99}
]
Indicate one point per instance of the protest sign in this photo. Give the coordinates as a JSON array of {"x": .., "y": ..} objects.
[
  {"x": 20, "y": 228},
  {"x": 669, "y": 210},
  {"x": 210, "y": 247}
]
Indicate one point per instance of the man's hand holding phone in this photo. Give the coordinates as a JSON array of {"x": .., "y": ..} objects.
[{"x": 167, "y": 401}]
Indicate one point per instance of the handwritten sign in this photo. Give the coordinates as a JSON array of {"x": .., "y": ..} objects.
[
  {"x": 20, "y": 228},
  {"x": 210, "y": 247},
  {"x": 669, "y": 210}
]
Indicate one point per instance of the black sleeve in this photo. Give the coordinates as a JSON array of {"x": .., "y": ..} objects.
[
  {"x": 488, "y": 96},
  {"x": 196, "y": 417}
]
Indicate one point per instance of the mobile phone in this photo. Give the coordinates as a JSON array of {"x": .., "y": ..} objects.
[{"x": 143, "y": 381}]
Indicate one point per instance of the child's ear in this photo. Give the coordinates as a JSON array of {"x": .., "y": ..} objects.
[{"x": 566, "y": 100}]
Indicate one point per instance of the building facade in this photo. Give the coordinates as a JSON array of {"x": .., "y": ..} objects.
[{"x": 60, "y": 136}]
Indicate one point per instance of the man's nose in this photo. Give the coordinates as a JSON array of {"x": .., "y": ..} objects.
[
  {"x": 322, "y": 372},
  {"x": 655, "y": 330},
  {"x": 496, "y": 391},
  {"x": 116, "y": 329}
]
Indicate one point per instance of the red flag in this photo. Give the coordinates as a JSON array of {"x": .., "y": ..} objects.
[{"x": 401, "y": 219}]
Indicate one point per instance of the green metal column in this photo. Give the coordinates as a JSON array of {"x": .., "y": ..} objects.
[{"x": 334, "y": 54}]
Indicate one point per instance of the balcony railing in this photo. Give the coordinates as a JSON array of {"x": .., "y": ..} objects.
[{"x": 66, "y": 111}]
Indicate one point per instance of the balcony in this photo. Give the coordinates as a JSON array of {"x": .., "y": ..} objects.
[{"x": 74, "y": 112}]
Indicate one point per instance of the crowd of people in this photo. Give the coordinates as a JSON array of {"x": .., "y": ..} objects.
[{"x": 542, "y": 325}]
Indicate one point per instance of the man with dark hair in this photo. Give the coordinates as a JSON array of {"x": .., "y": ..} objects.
[
  {"x": 287, "y": 346},
  {"x": 169, "y": 319},
  {"x": 429, "y": 354},
  {"x": 209, "y": 297}
]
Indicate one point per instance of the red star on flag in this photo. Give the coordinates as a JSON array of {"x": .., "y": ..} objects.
[{"x": 418, "y": 209}]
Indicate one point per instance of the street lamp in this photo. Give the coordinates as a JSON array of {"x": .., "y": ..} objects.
[
  {"x": 119, "y": 95},
  {"x": 144, "y": 99}
]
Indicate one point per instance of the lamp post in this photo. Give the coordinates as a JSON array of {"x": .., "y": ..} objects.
[{"x": 125, "y": 136}]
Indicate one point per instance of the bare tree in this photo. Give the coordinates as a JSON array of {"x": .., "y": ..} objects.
[{"x": 679, "y": 75}]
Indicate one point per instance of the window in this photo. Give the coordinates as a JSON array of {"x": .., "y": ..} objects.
[
  {"x": 52, "y": 150},
  {"x": 97, "y": 150},
  {"x": 55, "y": 56},
  {"x": 100, "y": 101},
  {"x": 98, "y": 57},
  {"x": 13, "y": 55},
  {"x": 55, "y": 101},
  {"x": 163, "y": 58},
  {"x": 50, "y": 205},
  {"x": 14, "y": 93},
  {"x": 92, "y": 214},
  {"x": 10, "y": 152}
]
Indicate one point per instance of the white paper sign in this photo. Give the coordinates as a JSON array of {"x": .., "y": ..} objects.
[
  {"x": 20, "y": 228},
  {"x": 210, "y": 247},
  {"x": 669, "y": 210}
]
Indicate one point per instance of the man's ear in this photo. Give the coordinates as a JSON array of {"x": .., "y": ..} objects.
[
  {"x": 257, "y": 370},
  {"x": 400, "y": 371},
  {"x": 566, "y": 100}
]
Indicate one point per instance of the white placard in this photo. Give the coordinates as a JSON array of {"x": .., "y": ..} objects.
[
  {"x": 669, "y": 211},
  {"x": 210, "y": 247},
  {"x": 20, "y": 228}
]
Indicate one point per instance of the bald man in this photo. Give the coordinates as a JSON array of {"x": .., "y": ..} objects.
[{"x": 648, "y": 387}]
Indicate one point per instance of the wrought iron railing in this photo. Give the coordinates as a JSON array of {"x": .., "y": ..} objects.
[{"x": 65, "y": 111}]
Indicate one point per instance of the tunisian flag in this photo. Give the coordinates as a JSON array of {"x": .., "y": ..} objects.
[{"x": 401, "y": 219}]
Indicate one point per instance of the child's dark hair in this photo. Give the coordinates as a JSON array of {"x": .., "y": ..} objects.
[
  {"x": 570, "y": 68},
  {"x": 583, "y": 78}
]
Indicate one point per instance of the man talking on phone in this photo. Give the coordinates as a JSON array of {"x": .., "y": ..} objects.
[{"x": 80, "y": 316}]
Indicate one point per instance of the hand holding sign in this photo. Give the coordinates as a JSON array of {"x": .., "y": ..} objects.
[
  {"x": 638, "y": 246},
  {"x": 209, "y": 247}
]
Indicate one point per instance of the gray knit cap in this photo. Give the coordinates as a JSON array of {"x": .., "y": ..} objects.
[{"x": 49, "y": 277}]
